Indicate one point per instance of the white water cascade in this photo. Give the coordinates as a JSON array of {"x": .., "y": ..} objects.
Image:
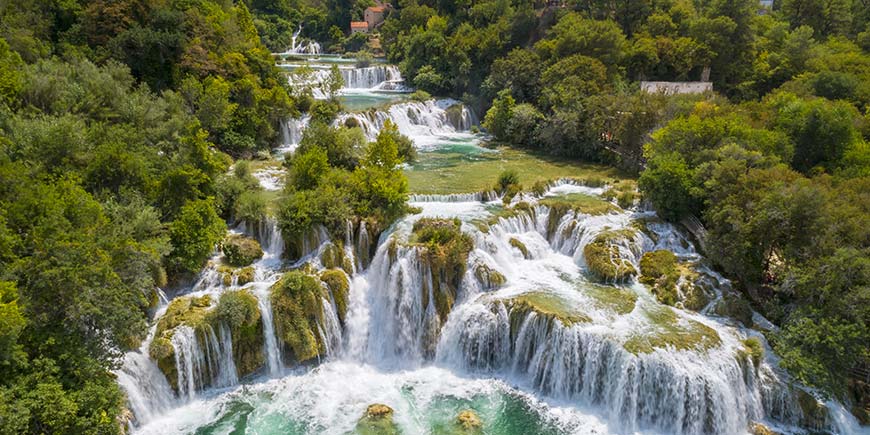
[
  {"x": 298, "y": 46},
  {"x": 547, "y": 335},
  {"x": 425, "y": 122},
  {"x": 291, "y": 135},
  {"x": 202, "y": 359},
  {"x": 375, "y": 78},
  {"x": 148, "y": 392}
]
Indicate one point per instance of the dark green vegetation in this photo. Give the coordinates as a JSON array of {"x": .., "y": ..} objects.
[
  {"x": 342, "y": 179},
  {"x": 782, "y": 188},
  {"x": 118, "y": 121}
]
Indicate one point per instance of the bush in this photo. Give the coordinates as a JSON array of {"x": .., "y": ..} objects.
[
  {"x": 420, "y": 95},
  {"x": 241, "y": 251},
  {"x": 251, "y": 207},
  {"x": 364, "y": 59},
  {"x": 194, "y": 234},
  {"x": 506, "y": 179}
]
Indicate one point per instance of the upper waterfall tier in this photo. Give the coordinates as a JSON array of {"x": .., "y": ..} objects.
[
  {"x": 375, "y": 78},
  {"x": 426, "y": 123}
]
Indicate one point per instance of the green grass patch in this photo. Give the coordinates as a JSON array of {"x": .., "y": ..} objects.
[
  {"x": 580, "y": 202},
  {"x": 667, "y": 331},
  {"x": 620, "y": 300},
  {"x": 549, "y": 305},
  {"x": 468, "y": 168}
]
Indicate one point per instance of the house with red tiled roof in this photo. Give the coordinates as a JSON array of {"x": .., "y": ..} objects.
[{"x": 359, "y": 27}]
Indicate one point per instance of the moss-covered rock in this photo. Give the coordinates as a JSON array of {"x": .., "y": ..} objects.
[
  {"x": 468, "y": 422},
  {"x": 444, "y": 248},
  {"x": 334, "y": 257},
  {"x": 339, "y": 285},
  {"x": 579, "y": 203},
  {"x": 244, "y": 275},
  {"x": 520, "y": 246},
  {"x": 619, "y": 300},
  {"x": 814, "y": 413},
  {"x": 548, "y": 305},
  {"x": 488, "y": 277},
  {"x": 377, "y": 420},
  {"x": 190, "y": 311},
  {"x": 658, "y": 269},
  {"x": 239, "y": 311},
  {"x": 694, "y": 296},
  {"x": 297, "y": 305},
  {"x": 669, "y": 331},
  {"x": 186, "y": 311},
  {"x": 603, "y": 257},
  {"x": 761, "y": 429},
  {"x": 241, "y": 251}
]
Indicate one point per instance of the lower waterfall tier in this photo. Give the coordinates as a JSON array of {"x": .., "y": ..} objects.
[{"x": 473, "y": 305}]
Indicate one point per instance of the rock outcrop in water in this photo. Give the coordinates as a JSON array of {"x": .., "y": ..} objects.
[
  {"x": 241, "y": 251},
  {"x": 198, "y": 344},
  {"x": 302, "y": 308},
  {"x": 377, "y": 420},
  {"x": 605, "y": 257}
]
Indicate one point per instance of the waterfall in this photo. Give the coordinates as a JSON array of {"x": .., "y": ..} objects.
[
  {"x": 375, "y": 78},
  {"x": 414, "y": 119},
  {"x": 424, "y": 122},
  {"x": 291, "y": 135},
  {"x": 407, "y": 328},
  {"x": 301, "y": 47},
  {"x": 678, "y": 393},
  {"x": 330, "y": 329},
  {"x": 572, "y": 339},
  {"x": 148, "y": 392},
  {"x": 485, "y": 196},
  {"x": 189, "y": 361}
]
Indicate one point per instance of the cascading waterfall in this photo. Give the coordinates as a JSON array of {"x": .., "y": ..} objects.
[
  {"x": 291, "y": 135},
  {"x": 375, "y": 78},
  {"x": 148, "y": 392},
  {"x": 679, "y": 394},
  {"x": 419, "y": 120},
  {"x": 580, "y": 358},
  {"x": 485, "y": 196},
  {"x": 406, "y": 328},
  {"x": 301, "y": 46}
]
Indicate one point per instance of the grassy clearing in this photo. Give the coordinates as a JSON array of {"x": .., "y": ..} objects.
[
  {"x": 586, "y": 204},
  {"x": 620, "y": 300},
  {"x": 549, "y": 305},
  {"x": 463, "y": 168},
  {"x": 667, "y": 331}
]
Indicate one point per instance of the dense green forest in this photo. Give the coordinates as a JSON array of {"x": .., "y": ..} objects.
[{"x": 120, "y": 120}]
